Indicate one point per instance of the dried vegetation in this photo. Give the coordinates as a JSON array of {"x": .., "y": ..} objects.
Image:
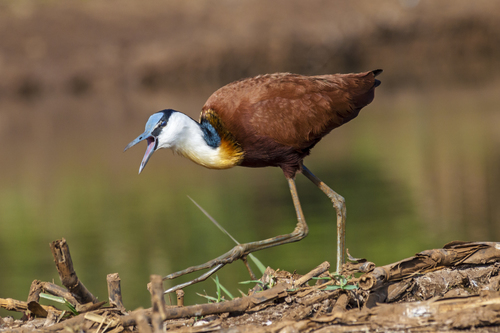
[{"x": 453, "y": 288}]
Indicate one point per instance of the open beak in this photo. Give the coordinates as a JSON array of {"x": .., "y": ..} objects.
[{"x": 152, "y": 143}]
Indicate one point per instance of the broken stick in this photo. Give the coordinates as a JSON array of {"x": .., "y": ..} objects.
[
  {"x": 69, "y": 279},
  {"x": 20, "y": 306},
  {"x": 115, "y": 291},
  {"x": 180, "y": 297},
  {"x": 158, "y": 303}
]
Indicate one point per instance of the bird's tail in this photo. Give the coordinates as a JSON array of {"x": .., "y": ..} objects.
[
  {"x": 362, "y": 88},
  {"x": 377, "y": 72}
]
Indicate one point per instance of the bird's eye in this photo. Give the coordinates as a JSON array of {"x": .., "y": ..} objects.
[{"x": 163, "y": 123}]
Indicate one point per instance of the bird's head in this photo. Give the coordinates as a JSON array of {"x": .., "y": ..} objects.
[{"x": 155, "y": 134}]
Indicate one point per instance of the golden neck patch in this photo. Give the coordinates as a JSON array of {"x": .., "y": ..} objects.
[
  {"x": 230, "y": 151},
  {"x": 221, "y": 154}
]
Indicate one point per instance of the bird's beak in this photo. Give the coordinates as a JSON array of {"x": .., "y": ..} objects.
[{"x": 151, "y": 140}]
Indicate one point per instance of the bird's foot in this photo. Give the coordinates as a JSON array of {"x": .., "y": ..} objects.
[{"x": 238, "y": 252}]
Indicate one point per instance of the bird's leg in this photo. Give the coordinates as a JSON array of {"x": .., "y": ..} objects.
[
  {"x": 242, "y": 250},
  {"x": 339, "y": 205}
]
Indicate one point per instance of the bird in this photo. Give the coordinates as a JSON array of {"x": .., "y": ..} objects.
[{"x": 271, "y": 120}]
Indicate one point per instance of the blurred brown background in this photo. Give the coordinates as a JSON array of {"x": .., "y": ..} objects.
[{"x": 419, "y": 167}]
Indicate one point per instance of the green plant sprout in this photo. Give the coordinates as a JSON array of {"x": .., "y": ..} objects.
[
  {"x": 61, "y": 300},
  {"x": 220, "y": 289},
  {"x": 343, "y": 282},
  {"x": 269, "y": 285}
]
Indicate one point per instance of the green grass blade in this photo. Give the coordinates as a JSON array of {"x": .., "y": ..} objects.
[
  {"x": 322, "y": 278},
  {"x": 209, "y": 298},
  {"x": 224, "y": 289},
  {"x": 217, "y": 284},
  {"x": 350, "y": 287},
  {"x": 53, "y": 298},
  {"x": 71, "y": 308},
  {"x": 251, "y": 281},
  {"x": 256, "y": 261},
  {"x": 332, "y": 287},
  {"x": 61, "y": 300},
  {"x": 214, "y": 221}
]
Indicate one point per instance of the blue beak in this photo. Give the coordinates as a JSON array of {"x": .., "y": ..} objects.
[{"x": 150, "y": 139}]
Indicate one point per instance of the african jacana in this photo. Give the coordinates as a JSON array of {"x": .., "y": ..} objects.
[{"x": 268, "y": 120}]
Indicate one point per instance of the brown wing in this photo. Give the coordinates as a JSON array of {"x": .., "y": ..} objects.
[{"x": 293, "y": 110}]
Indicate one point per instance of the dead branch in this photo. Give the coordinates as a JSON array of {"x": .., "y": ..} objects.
[
  {"x": 320, "y": 297},
  {"x": 158, "y": 303},
  {"x": 314, "y": 273},
  {"x": 78, "y": 321},
  {"x": 50, "y": 319},
  {"x": 142, "y": 321},
  {"x": 20, "y": 306},
  {"x": 341, "y": 304},
  {"x": 35, "y": 290},
  {"x": 452, "y": 254},
  {"x": 180, "y": 297},
  {"x": 89, "y": 306},
  {"x": 69, "y": 279},
  {"x": 115, "y": 291},
  {"x": 37, "y": 310}
]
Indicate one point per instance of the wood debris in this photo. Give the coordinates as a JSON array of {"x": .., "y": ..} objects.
[{"x": 454, "y": 288}]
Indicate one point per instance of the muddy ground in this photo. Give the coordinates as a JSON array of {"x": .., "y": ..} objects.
[{"x": 455, "y": 288}]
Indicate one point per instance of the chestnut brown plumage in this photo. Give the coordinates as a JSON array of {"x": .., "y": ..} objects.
[
  {"x": 278, "y": 118},
  {"x": 268, "y": 120}
]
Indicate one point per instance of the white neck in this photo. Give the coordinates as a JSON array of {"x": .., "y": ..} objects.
[{"x": 184, "y": 136}]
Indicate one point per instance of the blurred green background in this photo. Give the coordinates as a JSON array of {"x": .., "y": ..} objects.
[{"x": 418, "y": 168}]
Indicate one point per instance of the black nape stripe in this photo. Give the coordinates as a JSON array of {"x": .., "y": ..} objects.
[
  {"x": 166, "y": 115},
  {"x": 210, "y": 135}
]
